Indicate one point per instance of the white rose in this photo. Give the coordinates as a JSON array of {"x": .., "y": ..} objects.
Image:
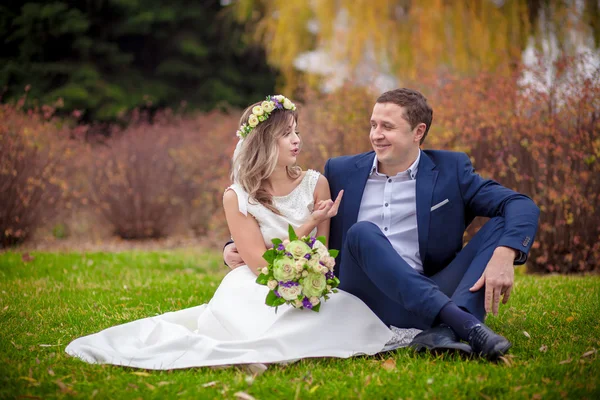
[
  {"x": 321, "y": 249},
  {"x": 253, "y": 120},
  {"x": 328, "y": 288},
  {"x": 290, "y": 293},
  {"x": 268, "y": 106},
  {"x": 279, "y": 98},
  {"x": 314, "y": 300},
  {"x": 324, "y": 270},
  {"x": 265, "y": 270},
  {"x": 287, "y": 104},
  {"x": 272, "y": 284},
  {"x": 286, "y": 242},
  {"x": 300, "y": 265},
  {"x": 257, "y": 110},
  {"x": 304, "y": 273},
  {"x": 298, "y": 303},
  {"x": 328, "y": 261}
]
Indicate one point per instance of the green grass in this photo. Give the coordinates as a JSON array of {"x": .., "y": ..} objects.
[{"x": 47, "y": 302}]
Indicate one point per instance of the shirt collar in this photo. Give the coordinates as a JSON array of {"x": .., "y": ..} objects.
[{"x": 411, "y": 171}]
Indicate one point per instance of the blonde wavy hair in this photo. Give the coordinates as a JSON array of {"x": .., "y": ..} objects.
[{"x": 258, "y": 155}]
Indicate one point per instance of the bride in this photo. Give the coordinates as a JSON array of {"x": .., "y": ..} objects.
[{"x": 236, "y": 327}]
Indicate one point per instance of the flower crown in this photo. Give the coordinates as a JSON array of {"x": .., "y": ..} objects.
[{"x": 261, "y": 113}]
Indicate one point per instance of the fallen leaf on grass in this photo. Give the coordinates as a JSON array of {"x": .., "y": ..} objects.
[
  {"x": 544, "y": 348},
  {"x": 50, "y": 372},
  {"x": 163, "y": 383},
  {"x": 141, "y": 373},
  {"x": 527, "y": 335},
  {"x": 389, "y": 364},
  {"x": 570, "y": 319},
  {"x": 26, "y": 378},
  {"x": 64, "y": 388},
  {"x": 506, "y": 360},
  {"x": 243, "y": 396},
  {"x": 567, "y": 361},
  {"x": 151, "y": 387},
  {"x": 313, "y": 389},
  {"x": 589, "y": 353},
  {"x": 26, "y": 257},
  {"x": 210, "y": 384}
]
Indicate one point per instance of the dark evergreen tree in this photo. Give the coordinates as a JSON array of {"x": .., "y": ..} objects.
[{"x": 109, "y": 56}]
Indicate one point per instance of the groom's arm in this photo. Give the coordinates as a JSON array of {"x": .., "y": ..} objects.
[{"x": 485, "y": 197}]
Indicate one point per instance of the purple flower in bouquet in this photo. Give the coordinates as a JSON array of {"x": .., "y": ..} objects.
[
  {"x": 306, "y": 303},
  {"x": 281, "y": 247},
  {"x": 312, "y": 241},
  {"x": 307, "y": 256},
  {"x": 288, "y": 284},
  {"x": 329, "y": 275}
]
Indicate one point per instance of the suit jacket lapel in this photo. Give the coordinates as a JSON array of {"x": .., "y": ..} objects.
[
  {"x": 426, "y": 177},
  {"x": 357, "y": 179}
]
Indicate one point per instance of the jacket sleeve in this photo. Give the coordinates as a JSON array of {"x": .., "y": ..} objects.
[{"x": 487, "y": 198}]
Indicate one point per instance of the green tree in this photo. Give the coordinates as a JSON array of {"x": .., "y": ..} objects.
[{"x": 109, "y": 56}]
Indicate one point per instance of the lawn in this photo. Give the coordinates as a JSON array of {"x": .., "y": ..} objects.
[{"x": 48, "y": 299}]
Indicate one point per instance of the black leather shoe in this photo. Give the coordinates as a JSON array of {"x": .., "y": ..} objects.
[
  {"x": 487, "y": 343},
  {"x": 440, "y": 338}
]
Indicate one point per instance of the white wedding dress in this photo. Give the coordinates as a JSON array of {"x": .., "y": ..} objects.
[{"x": 236, "y": 327}]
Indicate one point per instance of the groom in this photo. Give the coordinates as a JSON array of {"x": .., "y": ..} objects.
[{"x": 400, "y": 230}]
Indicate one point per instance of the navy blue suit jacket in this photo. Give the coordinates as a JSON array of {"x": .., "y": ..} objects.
[{"x": 441, "y": 175}]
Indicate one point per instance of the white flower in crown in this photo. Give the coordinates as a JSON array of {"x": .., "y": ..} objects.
[
  {"x": 279, "y": 98},
  {"x": 253, "y": 120},
  {"x": 268, "y": 106},
  {"x": 288, "y": 105},
  {"x": 258, "y": 111}
]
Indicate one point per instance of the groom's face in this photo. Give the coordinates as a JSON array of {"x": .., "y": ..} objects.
[{"x": 392, "y": 137}]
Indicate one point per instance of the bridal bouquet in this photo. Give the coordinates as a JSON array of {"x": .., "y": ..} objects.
[{"x": 300, "y": 272}]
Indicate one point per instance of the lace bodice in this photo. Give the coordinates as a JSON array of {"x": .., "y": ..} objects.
[{"x": 295, "y": 208}]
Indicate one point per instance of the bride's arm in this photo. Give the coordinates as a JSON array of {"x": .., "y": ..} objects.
[{"x": 245, "y": 232}]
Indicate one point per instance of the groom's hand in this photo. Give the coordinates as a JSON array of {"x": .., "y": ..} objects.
[
  {"x": 232, "y": 256},
  {"x": 498, "y": 278}
]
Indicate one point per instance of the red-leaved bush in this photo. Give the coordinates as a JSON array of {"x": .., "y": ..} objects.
[
  {"x": 152, "y": 176},
  {"x": 540, "y": 137},
  {"x": 34, "y": 151}
]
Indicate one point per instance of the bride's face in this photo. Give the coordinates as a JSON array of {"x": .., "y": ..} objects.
[{"x": 289, "y": 146}]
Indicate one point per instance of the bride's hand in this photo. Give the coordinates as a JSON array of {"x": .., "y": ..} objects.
[{"x": 326, "y": 209}]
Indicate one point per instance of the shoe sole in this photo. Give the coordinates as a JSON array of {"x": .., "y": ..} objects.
[{"x": 419, "y": 348}]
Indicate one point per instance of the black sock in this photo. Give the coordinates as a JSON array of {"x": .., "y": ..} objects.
[{"x": 459, "y": 320}]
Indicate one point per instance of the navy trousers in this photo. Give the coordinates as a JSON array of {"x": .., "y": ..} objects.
[{"x": 400, "y": 296}]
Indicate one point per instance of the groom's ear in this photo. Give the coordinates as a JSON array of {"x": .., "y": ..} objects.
[{"x": 419, "y": 132}]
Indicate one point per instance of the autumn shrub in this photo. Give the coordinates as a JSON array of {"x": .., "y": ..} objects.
[
  {"x": 541, "y": 137},
  {"x": 334, "y": 124},
  {"x": 34, "y": 151},
  {"x": 158, "y": 173},
  {"x": 204, "y": 164}
]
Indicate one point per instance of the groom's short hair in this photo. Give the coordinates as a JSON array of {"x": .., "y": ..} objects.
[{"x": 415, "y": 105}]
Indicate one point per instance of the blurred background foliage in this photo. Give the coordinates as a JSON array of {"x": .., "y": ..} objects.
[
  {"x": 514, "y": 83},
  {"x": 108, "y": 57}
]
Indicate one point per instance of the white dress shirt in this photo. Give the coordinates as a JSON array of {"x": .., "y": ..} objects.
[{"x": 390, "y": 202}]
